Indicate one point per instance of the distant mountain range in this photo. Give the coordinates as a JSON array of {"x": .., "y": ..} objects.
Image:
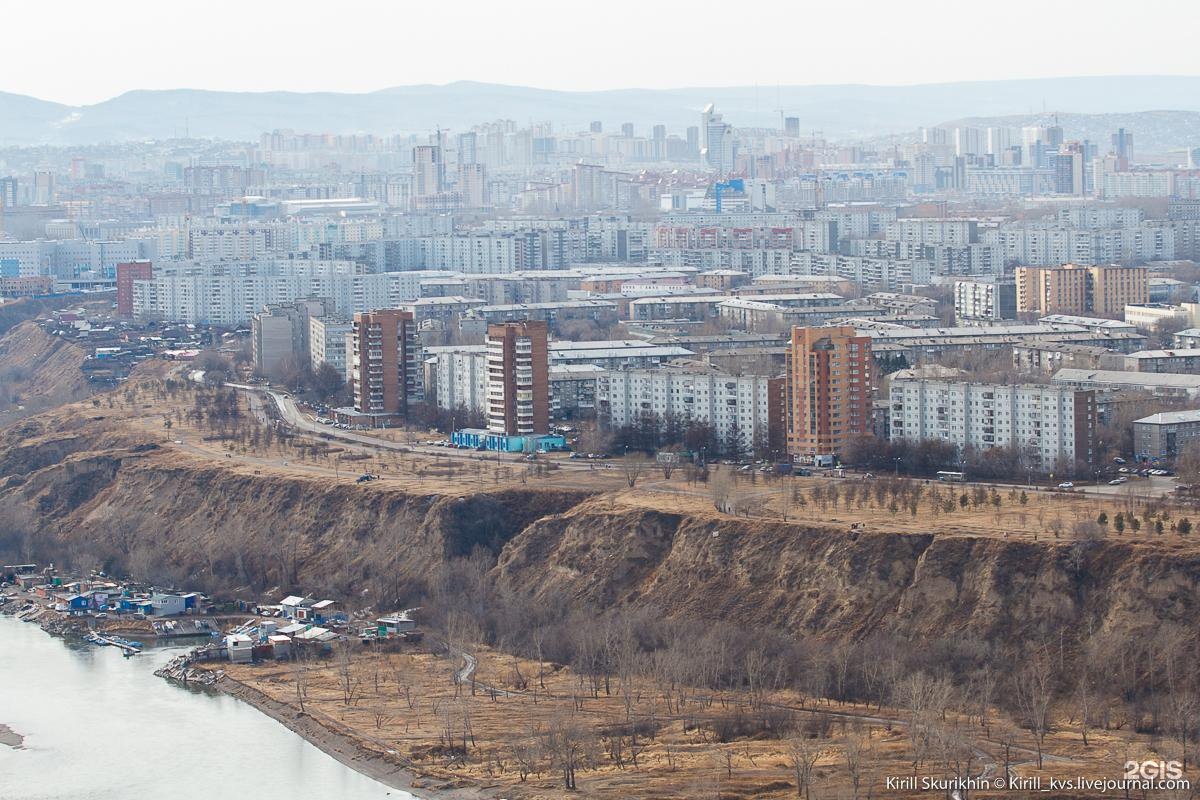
[{"x": 838, "y": 111}]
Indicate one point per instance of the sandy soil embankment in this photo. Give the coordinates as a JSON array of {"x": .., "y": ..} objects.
[{"x": 346, "y": 748}]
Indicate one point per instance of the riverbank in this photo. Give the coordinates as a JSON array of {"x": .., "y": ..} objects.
[
  {"x": 68, "y": 700},
  {"x": 353, "y": 751}
]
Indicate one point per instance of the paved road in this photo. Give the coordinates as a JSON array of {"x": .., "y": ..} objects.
[
  {"x": 1139, "y": 487},
  {"x": 295, "y": 418}
]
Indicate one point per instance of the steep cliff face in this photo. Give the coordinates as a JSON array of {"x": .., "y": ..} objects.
[
  {"x": 834, "y": 584},
  {"x": 38, "y": 371},
  {"x": 133, "y": 505},
  {"x": 130, "y": 503}
]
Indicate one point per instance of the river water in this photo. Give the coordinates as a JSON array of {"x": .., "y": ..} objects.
[{"x": 101, "y": 727}]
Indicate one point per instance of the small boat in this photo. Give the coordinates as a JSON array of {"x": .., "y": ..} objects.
[{"x": 128, "y": 646}]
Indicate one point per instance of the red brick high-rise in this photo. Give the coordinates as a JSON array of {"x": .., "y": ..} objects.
[
  {"x": 383, "y": 364},
  {"x": 127, "y": 273},
  {"x": 829, "y": 389}
]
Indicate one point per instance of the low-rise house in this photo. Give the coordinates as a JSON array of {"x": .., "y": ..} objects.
[
  {"x": 296, "y": 607},
  {"x": 281, "y": 645},
  {"x": 168, "y": 604},
  {"x": 240, "y": 648},
  {"x": 395, "y": 624},
  {"x": 326, "y": 611}
]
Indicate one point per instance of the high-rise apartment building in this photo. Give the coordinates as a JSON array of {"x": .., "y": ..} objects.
[
  {"x": 429, "y": 172},
  {"x": 472, "y": 184},
  {"x": 1103, "y": 289},
  {"x": 279, "y": 335},
  {"x": 127, "y": 273},
  {"x": 383, "y": 365},
  {"x": 43, "y": 188},
  {"x": 327, "y": 344},
  {"x": 1069, "y": 173},
  {"x": 984, "y": 302},
  {"x": 468, "y": 148},
  {"x": 829, "y": 389},
  {"x": 8, "y": 192},
  {"x": 518, "y": 381},
  {"x": 1122, "y": 147}
]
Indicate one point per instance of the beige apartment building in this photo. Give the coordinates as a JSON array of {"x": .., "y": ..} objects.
[
  {"x": 829, "y": 385},
  {"x": 1103, "y": 289}
]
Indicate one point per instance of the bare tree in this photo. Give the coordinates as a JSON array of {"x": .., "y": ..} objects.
[
  {"x": 723, "y": 489},
  {"x": 631, "y": 467},
  {"x": 528, "y": 755},
  {"x": 802, "y": 754},
  {"x": 858, "y": 755},
  {"x": 1034, "y": 691},
  {"x": 348, "y": 680},
  {"x": 926, "y": 699},
  {"x": 300, "y": 678},
  {"x": 566, "y": 741}
]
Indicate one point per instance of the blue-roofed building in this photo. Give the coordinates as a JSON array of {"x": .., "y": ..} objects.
[{"x": 476, "y": 438}]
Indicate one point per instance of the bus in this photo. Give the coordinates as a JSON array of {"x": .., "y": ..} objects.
[{"x": 951, "y": 477}]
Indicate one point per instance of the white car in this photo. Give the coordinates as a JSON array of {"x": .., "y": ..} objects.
[{"x": 1066, "y": 485}]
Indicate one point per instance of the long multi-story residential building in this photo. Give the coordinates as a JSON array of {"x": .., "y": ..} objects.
[
  {"x": 934, "y": 231},
  {"x": 872, "y": 274},
  {"x": 919, "y": 344},
  {"x": 70, "y": 258},
  {"x": 1159, "y": 384},
  {"x": 383, "y": 367},
  {"x": 1166, "y": 434},
  {"x": 1183, "y": 360},
  {"x": 229, "y": 293},
  {"x": 737, "y": 407},
  {"x": 518, "y": 382},
  {"x": 1078, "y": 289},
  {"x": 1053, "y": 426},
  {"x": 458, "y": 373},
  {"x": 946, "y": 259},
  {"x": 829, "y": 385},
  {"x": 1049, "y": 246}
]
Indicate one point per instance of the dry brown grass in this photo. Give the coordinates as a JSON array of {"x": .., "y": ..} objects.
[
  {"x": 408, "y": 703},
  {"x": 1043, "y": 516}
]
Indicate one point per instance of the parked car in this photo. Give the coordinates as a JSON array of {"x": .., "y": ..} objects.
[{"x": 1119, "y": 460}]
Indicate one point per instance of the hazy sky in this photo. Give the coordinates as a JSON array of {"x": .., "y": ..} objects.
[{"x": 83, "y": 52}]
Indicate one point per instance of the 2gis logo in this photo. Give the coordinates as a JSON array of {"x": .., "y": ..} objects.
[{"x": 1153, "y": 770}]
